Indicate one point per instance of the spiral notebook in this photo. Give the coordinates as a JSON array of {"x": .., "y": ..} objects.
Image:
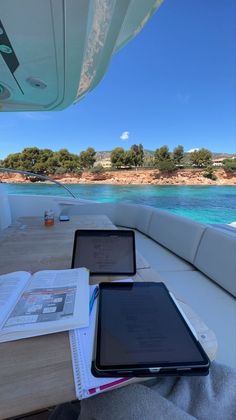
[{"x": 81, "y": 342}]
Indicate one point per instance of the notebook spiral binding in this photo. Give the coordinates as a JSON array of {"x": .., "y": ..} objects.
[{"x": 76, "y": 369}]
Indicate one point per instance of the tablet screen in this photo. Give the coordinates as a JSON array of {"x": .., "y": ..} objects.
[
  {"x": 105, "y": 251},
  {"x": 140, "y": 325}
]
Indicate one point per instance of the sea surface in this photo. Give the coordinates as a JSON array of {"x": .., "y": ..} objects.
[{"x": 208, "y": 204}]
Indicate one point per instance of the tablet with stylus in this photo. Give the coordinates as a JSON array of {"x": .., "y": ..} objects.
[{"x": 141, "y": 331}]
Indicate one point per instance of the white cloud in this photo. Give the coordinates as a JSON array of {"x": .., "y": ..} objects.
[
  {"x": 193, "y": 150},
  {"x": 125, "y": 135}
]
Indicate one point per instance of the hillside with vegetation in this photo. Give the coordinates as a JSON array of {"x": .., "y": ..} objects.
[{"x": 89, "y": 165}]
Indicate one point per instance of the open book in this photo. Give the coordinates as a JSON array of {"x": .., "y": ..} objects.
[{"x": 43, "y": 303}]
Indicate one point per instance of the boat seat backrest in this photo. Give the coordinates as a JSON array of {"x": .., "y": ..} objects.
[
  {"x": 180, "y": 235},
  {"x": 96, "y": 208},
  {"x": 133, "y": 216},
  {"x": 216, "y": 257},
  {"x": 176, "y": 233},
  {"x": 210, "y": 250}
]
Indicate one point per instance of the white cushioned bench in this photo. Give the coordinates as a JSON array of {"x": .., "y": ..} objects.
[
  {"x": 197, "y": 262},
  {"x": 216, "y": 257}
]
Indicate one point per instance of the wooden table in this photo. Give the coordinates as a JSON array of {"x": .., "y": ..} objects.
[
  {"x": 28, "y": 245},
  {"x": 37, "y": 372}
]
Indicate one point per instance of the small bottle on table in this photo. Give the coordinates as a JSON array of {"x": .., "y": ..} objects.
[{"x": 48, "y": 218}]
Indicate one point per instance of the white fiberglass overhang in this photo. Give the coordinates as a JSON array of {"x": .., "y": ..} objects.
[{"x": 52, "y": 52}]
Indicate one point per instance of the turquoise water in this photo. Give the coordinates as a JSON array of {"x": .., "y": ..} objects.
[{"x": 209, "y": 204}]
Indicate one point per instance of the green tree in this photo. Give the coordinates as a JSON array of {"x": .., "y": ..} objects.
[
  {"x": 210, "y": 173},
  {"x": 98, "y": 169},
  {"x": 229, "y": 165},
  {"x": 118, "y": 157},
  {"x": 70, "y": 162},
  {"x": 53, "y": 164},
  {"x": 166, "y": 166},
  {"x": 178, "y": 154},
  {"x": 137, "y": 154},
  {"x": 43, "y": 161},
  {"x": 28, "y": 160},
  {"x": 129, "y": 158},
  {"x": 40, "y": 165},
  {"x": 63, "y": 154},
  {"x": 29, "y": 157},
  {"x": 87, "y": 158},
  {"x": 45, "y": 154},
  {"x": 163, "y": 161},
  {"x": 148, "y": 161},
  {"x": 161, "y": 155},
  {"x": 13, "y": 161},
  {"x": 201, "y": 158}
]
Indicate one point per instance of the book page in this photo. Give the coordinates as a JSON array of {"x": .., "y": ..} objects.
[
  {"x": 53, "y": 301},
  {"x": 11, "y": 285}
]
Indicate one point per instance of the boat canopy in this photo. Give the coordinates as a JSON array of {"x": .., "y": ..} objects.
[{"x": 52, "y": 52}]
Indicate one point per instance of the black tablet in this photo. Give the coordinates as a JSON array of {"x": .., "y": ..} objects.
[
  {"x": 141, "y": 332},
  {"x": 105, "y": 252}
]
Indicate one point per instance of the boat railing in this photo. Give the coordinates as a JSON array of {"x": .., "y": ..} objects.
[{"x": 43, "y": 177}]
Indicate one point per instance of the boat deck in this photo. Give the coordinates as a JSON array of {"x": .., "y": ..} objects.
[{"x": 33, "y": 374}]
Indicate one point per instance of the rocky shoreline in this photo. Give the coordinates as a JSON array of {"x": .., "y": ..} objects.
[{"x": 139, "y": 177}]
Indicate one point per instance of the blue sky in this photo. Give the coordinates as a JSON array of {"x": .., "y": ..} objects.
[{"x": 175, "y": 83}]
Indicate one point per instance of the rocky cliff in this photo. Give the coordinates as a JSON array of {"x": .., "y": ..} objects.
[{"x": 124, "y": 177}]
